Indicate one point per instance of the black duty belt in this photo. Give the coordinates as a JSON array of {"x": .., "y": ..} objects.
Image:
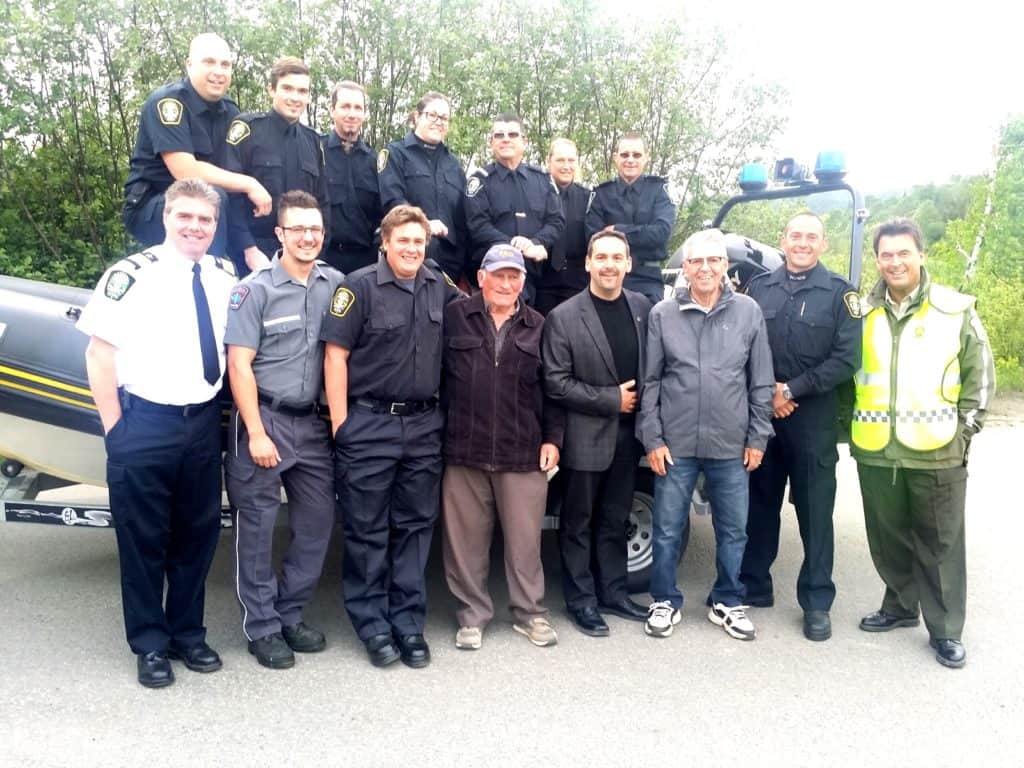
[
  {"x": 396, "y": 409},
  {"x": 310, "y": 409},
  {"x": 134, "y": 402}
]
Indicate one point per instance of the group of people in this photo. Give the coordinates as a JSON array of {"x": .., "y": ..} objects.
[{"x": 560, "y": 355}]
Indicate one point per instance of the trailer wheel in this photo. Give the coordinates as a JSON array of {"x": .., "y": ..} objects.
[{"x": 11, "y": 468}]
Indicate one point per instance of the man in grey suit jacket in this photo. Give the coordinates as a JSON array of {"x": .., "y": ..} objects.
[{"x": 593, "y": 351}]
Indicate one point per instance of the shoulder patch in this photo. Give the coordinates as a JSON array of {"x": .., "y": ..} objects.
[
  {"x": 853, "y": 304},
  {"x": 590, "y": 200},
  {"x": 447, "y": 279},
  {"x": 238, "y": 295},
  {"x": 118, "y": 284},
  {"x": 238, "y": 131},
  {"x": 170, "y": 111},
  {"x": 473, "y": 186},
  {"x": 342, "y": 302},
  {"x": 382, "y": 160}
]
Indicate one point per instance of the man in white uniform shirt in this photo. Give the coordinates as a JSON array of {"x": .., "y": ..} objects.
[{"x": 155, "y": 360}]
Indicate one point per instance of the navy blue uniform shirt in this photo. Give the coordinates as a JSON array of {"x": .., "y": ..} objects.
[
  {"x": 502, "y": 204},
  {"x": 565, "y": 261},
  {"x": 281, "y": 156},
  {"x": 644, "y": 213},
  {"x": 177, "y": 119},
  {"x": 354, "y": 195},
  {"x": 814, "y": 328},
  {"x": 391, "y": 330},
  {"x": 430, "y": 177}
]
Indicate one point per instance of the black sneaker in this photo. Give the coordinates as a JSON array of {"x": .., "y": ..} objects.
[
  {"x": 272, "y": 651},
  {"x": 303, "y": 638}
]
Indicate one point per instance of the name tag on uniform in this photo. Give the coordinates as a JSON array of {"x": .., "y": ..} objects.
[
  {"x": 520, "y": 215},
  {"x": 279, "y": 320}
]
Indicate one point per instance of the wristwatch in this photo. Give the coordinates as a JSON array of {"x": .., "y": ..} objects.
[{"x": 787, "y": 394}]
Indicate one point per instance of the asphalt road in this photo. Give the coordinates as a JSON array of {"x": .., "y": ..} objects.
[{"x": 68, "y": 695}]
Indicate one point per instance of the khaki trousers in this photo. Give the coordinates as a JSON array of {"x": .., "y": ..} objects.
[{"x": 470, "y": 499}]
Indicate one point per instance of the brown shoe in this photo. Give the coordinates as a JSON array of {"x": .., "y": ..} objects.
[{"x": 538, "y": 631}]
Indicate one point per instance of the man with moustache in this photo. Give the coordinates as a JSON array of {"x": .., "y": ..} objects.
[
  {"x": 509, "y": 201},
  {"x": 382, "y": 372},
  {"x": 352, "y": 186},
  {"x": 814, "y": 329},
  {"x": 563, "y": 275},
  {"x": 282, "y": 153},
  {"x": 277, "y": 436},
  {"x": 182, "y": 134},
  {"x": 639, "y": 207},
  {"x": 155, "y": 362},
  {"x": 594, "y": 352}
]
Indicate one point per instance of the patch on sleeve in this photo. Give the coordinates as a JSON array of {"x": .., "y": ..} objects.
[
  {"x": 342, "y": 302},
  {"x": 448, "y": 279},
  {"x": 382, "y": 160},
  {"x": 238, "y": 296},
  {"x": 170, "y": 111},
  {"x": 238, "y": 131},
  {"x": 853, "y": 305},
  {"x": 118, "y": 284},
  {"x": 473, "y": 186},
  {"x": 590, "y": 200}
]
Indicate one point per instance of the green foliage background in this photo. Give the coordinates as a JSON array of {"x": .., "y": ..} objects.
[{"x": 76, "y": 72}]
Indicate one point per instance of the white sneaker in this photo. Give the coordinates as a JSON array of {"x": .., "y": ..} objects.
[
  {"x": 733, "y": 619},
  {"x": 469, "y": 638},
  {"x": 661, "y": 617}
]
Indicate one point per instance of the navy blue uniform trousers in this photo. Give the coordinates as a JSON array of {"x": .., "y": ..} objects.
[
  {"x": 163, "y": 471},
  {"x": 804, "y": 451},
  {"x": 388, "y": 475}
]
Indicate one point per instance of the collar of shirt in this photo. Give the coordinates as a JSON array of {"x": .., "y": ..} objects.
[
  {"x": 504, "y": 171},
  {"x": 386, "y": 275},
  {"x": 197, "y": 103},
  {"x": 281, "y": 124},
  {"x": 279, "y": 275},
  {"x": 334, "y": 140},
  {"x": 622, "y": 187},
  {"x": 816, "y": 277},
  {"x": 412, "y": 140},
  {"x": 899, "y": 308}
]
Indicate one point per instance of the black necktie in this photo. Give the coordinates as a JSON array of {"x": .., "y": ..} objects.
[{"x": 207, "y": 341}]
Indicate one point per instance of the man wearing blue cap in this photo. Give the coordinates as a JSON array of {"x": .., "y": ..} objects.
[{"x": 501, "y": 439}]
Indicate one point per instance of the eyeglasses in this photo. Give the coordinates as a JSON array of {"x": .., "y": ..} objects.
[
  {"x": 628, "y": 155},
  {"x": 499, "y": 135},
  {"x": 433, "y": 117},
  {"x": 700, "y": 261},
  {"x": 300, "y": 230}
]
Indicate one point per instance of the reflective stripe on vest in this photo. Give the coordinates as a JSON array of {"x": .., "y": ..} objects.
[{"x": 924, "y": 368}]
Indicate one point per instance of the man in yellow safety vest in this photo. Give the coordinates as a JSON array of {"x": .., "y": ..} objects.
[{"x": 925, "y": 381}]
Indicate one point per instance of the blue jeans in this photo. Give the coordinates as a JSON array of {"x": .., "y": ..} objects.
[{"x": 728, "y": 488}]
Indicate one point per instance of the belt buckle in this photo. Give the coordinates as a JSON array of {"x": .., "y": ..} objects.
[{"x": 396, "y": 409}]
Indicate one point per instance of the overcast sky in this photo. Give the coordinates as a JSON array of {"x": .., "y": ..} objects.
[{"x": 912, "y": 93}]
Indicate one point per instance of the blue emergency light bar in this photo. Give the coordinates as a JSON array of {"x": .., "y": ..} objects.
[{"x": 753, "y": 177}]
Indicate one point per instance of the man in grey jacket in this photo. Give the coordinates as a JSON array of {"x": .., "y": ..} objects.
[{"x": 706, "y": 406}]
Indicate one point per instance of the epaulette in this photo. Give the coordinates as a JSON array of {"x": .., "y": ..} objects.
[
  {"x": 137, "y": 260},
  {"x": 226, "y": 265},
  {"x": 604, "y": 184}
]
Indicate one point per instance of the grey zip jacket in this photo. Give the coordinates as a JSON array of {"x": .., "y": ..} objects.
[{"x": 708, "y": 382}]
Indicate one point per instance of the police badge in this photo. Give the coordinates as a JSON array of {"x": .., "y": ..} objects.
[
  {"x": 342, "y": 302},
  {"x": 169, "y": 111},
  {"x": 117, "y": 285},
  {"x": 239, "y": 130},
  {"x": 853, "y": 305}
]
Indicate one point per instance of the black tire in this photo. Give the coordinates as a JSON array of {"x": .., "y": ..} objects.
[
  {"x": 640, "y": 534},
  {"x": 11, "y": 468}
]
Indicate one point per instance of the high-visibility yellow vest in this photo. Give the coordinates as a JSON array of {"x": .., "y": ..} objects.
[{"x": 912, "y": 381}]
